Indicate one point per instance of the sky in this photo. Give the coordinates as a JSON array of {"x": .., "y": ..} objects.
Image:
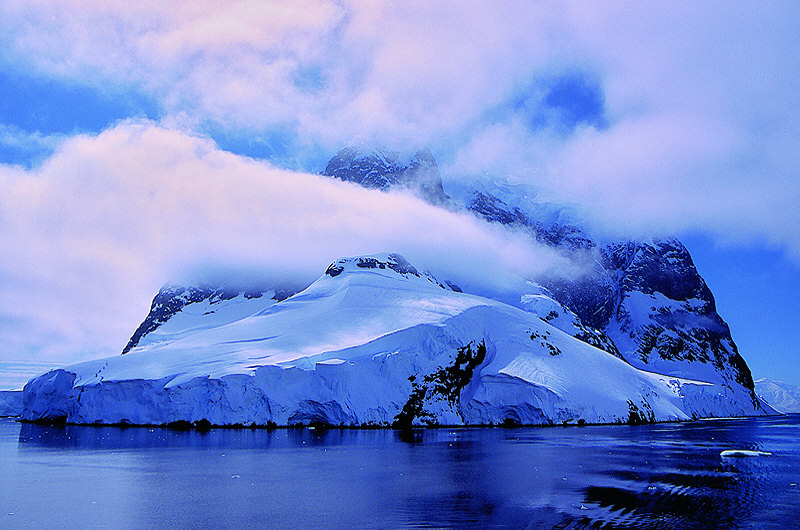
[{"x": 150, "y": 142}]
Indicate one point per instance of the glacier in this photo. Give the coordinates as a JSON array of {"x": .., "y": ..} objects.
[{"x": 372, "y": 342}]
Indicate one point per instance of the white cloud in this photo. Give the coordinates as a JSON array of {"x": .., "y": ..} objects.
[
  {"x": 413, "y": 70},
  {"x": 108, "y": 219},
  {"x": 701, "y": 101}
]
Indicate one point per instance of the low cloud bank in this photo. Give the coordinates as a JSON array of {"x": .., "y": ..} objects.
[
  {"x": 647, "y": 117},
  {"x": 108, "y": 219}
]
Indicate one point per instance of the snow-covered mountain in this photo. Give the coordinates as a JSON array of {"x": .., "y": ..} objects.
[
  {"x": 383, "y": 169},
  {"x": 780, "y": 396},
  {"x": 177, "y": 310},
  {"x": 10, "y": 403},
  {"x": 373, "y": 341},
  {"x": 644, "y": 298}
]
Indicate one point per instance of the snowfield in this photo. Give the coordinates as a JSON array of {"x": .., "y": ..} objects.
[
  {"x": 781, "y": 396},
  {"x": 373, "y": 341},
  {"x": 10, "y": 403}
]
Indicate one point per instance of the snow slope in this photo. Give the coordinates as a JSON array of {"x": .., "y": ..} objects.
[
  {"x": 643, "y": 299},
  {"x": 10, "y": 403},
  {"x": 373, "y": 341},
  {"x": 780, "y": 396},
  {"x": 177, "y": 310}
]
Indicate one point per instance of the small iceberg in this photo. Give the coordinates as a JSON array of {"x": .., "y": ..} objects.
[{"x": 741, "y": 453}]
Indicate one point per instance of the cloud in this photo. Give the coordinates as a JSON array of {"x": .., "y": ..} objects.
[
  {"x": 26, "y": 148},
  {"x": 103, "y": 223},
  {"x": 329, "y": 70},
  {"x": 687, "y": 118}
]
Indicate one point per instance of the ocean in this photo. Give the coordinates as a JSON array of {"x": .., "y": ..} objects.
[{"x": 620, "y": 476}]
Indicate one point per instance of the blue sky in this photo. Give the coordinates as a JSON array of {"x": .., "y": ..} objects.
[
  {"x": 645, "y": 118},
  {"x": 756, "y": 290}
]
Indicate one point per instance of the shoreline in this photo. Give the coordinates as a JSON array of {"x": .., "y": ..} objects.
[{"x": 205, "y": 426}]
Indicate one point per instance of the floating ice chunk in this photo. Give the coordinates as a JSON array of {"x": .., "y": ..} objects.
[{"x": 740, "y": 453}]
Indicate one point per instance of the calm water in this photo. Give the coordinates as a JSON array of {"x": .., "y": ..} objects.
[{"x": 621, "y": 476}]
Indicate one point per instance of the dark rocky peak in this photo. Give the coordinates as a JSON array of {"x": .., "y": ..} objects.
[
  {"x": 592, "y": 296},
  {"x": 383, "y": 169},
  {"x": 678, "y": 325},
  {"x": 542, "y": 224},
  {"x": 171, "y": 299},
  {"x": 656, "y": 266},
  {"x": 495, "y": 210},
  {"x": 659, "y": 266}
]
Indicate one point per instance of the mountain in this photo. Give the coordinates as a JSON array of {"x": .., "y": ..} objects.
[
  {"x": 644, "y": 297},
  {"x": 373, "y": 341},
  {"x": 383, "y": 169},
  {"x": 780, "y": 396},
  {"x": 377, "y": 341},
  {"x": 10, "y": 403}
]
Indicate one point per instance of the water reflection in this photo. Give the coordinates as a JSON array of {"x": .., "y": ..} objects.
[
  {"x": 685, "y": 483},
  {"x": 107, "y": 438},
  {"x": 665, "y": 476}
]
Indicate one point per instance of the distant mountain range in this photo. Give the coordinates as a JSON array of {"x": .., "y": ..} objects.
[
  {"x": 10, "y": 403},
  {"x": 783, "y": 397},
  {"x": 376, "y": 340}
]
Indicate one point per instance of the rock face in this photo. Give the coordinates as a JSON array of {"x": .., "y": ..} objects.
[
  {"x": 545, "y": 229},
  {"x": 382, "y": 169},
  {"x": 650, "y": 300},
  {"x": 541, "y": 302},
  {"x": 642, "y": 299}
]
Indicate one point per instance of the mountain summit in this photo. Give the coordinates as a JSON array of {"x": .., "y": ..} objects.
[
  {"x": 642, "y": 299},
  {"x": 383, "y": 169}
]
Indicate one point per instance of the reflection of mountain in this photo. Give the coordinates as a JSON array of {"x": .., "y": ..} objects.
[
  {"x": 377, "y": 341},
  {"x": 645, "y": 476}
]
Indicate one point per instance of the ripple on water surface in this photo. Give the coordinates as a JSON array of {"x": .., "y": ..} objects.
[{"x": 647, "y": 476}]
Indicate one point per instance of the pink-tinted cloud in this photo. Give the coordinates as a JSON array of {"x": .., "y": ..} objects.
[
  {"x": 700, "y": 101},
  {"x": 96, "y": 230}
]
